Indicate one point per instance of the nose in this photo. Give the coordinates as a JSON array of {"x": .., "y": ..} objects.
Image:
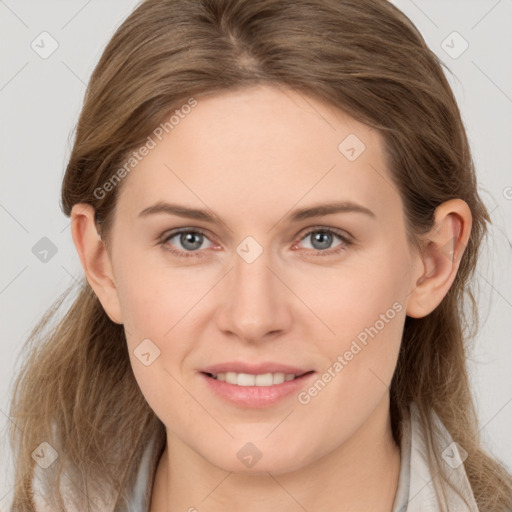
[{"x": 256, "y": 305}]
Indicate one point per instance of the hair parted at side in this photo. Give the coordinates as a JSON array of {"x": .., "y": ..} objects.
[{"x": 76, "y": 389}]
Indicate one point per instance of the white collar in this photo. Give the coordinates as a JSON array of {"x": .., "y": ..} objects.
[
  {"x": 415, "y": 493},
  {"x": 416, "y": 483}
]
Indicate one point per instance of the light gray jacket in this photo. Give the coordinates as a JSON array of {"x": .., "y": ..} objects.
[{"x": 416, "y": 490}]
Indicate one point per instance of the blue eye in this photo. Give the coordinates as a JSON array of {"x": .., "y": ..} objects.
[
  {"x": 190, "y": 240},
  {"x": 322, "y": 239}
]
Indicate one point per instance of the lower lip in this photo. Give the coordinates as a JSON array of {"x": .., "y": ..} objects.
[{"x": 256, "y": 396}]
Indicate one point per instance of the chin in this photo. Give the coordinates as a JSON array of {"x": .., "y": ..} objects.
[{"x": 260, "y": 458}]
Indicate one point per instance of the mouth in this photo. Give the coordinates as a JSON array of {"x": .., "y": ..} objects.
[
  {"x": 258, "y": 380},
  {"x": 255, "y": 385}
]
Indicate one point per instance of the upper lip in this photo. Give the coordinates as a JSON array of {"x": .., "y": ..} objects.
[{"x": 254, "y": 369}]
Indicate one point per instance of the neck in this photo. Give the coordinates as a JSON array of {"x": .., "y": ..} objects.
[{"x": 360, "y": 475}]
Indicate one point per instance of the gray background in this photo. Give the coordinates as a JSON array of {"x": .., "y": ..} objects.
[{"x": 41, "y": 98}]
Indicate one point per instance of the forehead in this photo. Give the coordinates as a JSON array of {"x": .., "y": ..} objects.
[{"x": 262, "y": 149}]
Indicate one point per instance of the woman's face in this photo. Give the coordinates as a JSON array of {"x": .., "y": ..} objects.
[{"x": 270, "y": 279}]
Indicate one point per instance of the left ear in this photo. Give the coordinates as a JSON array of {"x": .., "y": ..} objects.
[{"x": 442, "y": 251}]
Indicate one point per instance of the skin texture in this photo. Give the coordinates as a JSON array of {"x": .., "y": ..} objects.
[{"x": 251, "y": 157}]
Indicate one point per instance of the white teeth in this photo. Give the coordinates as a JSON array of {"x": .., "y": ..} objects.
[
  {"x": 265, "y": 379},
  {"x": 278, "y": 378},
  {"x": 231, "y": 378},
  {"x": 246, "y": 379}
]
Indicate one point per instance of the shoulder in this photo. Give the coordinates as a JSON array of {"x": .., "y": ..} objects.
[{"x": 139, "y": 494}]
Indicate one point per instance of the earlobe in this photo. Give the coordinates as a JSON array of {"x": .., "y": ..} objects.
[
  {"x": 439, "y": 260},
  {"x": 95, "y": 259}
]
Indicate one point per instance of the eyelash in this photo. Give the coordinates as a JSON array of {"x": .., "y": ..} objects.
[{"x": 346, "y": 242}]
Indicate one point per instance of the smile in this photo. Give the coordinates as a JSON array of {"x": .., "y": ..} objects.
[
  {"x": 246, "y": 379},
  {"x": 256, "y": 390}
]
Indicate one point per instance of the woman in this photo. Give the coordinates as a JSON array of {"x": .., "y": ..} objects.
[{"x": 276, "y": 210}]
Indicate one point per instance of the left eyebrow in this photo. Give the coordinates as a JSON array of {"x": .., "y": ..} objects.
[
  {"x": 329, "y": 209},
  {"x": 300, "y": 214}
]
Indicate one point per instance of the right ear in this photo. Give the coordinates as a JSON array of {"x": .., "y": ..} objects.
[{"x": 95, "y": 259}]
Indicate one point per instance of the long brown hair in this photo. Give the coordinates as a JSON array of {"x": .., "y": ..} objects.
[{"x": 76, "y": 389}]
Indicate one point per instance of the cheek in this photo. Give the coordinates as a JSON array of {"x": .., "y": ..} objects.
[
  {"x": 359, "y": 296},
  {"x": 359, "y": 359},
  {"x": 152, "y": 295},
  {"x": 364, "y": 308},
  {"x": 157, "y": 346},
  {"x": 157, "y": 303}
]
